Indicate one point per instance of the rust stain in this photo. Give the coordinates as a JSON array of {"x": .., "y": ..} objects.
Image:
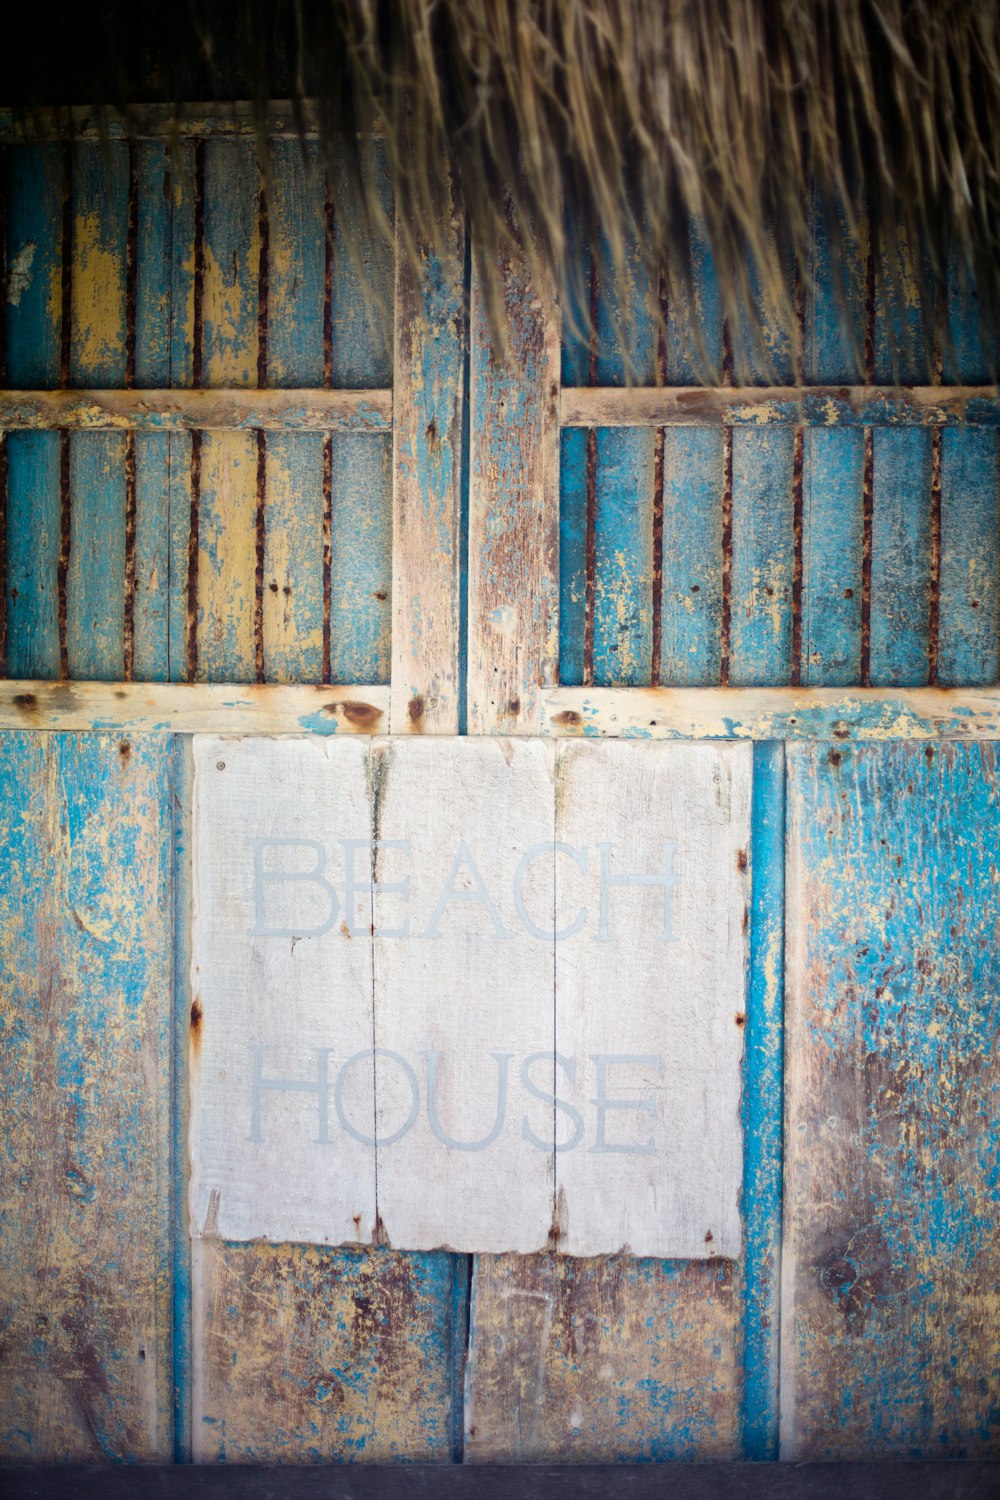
[
  {"x": 415, "y": 713},
  {"x": 194, "y": 529},
  {"x": 742, "y": 859},
  {"x": 196, "y": 1024},
  {"x": 362, "y": 715},
  {"x": 260, "y": 548},
  {"x": 740, "y": 1018},
  {"x": 868, "y": 523},
  {"x": 124, "y": 750},
  {"x": 568, "y": 719},
  {"x": 327, "y": 548}
]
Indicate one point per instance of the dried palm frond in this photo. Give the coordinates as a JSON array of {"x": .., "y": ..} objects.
[{"x": 650, "y": 125}]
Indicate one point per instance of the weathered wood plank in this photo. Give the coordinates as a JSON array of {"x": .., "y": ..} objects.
[
  {"x": 429, "y": 356},
  {"x": 513, "y": 507},
  {"x": 901, "y": 559},
  {"x": 647, "y": 713},
  {"x": 198, "y": 410},
  {"x": 762, "y": 1106},
  {"x": 198, "y": 120},
  {"x": 968, "y": 638},
  {"x": 293, "y": 548},
  {"x": 34, "y": 318},
  {"x": 361, "y": 559},
  {"x": 763, "y": 559},
  {"x": 85, "y": 1163},
  {"x": 832, "y": 548},
  {"x": 773, "y": 713},
  {"x": 466, "y": 1017},
  {"x": 890, "y": 1339},
  {"x": 194, "y": 708},
  {"x": 692, "y": 557},
  {"x": 607, "y": 1360},
  {"x": 260, "y": 1132},
  {"x": 312, "y": 1354},
  {"x": 667, "y": 1150},
  {"x": 787, "y": 405}
]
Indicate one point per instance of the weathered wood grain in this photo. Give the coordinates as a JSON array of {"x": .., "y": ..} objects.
[
  {"x": 312, "y": 1354},
  {"x": 969, "y": 631},
  {"x": 236, "y": 117},
  {"x": 662, "y": 1165},
  {"x": 466, "y": 988},
  {"x": 832, "y": 545},
  {"x": 605, "y": 1360},
  {"x": 429, "y": 416},
  {"x": 264, "y": 1154},
  {"x": 513, "y": 506},
  {"x": 890, "y": 1342},
  {"x": 85, "y": 1279},
  {"x": 781, "y": 405},
  {"x": 833, "y": 714},
  {"x": 34, "y": 317},
  {"x": 194, "y": 708},
  {"x": 763, "y": 559}
]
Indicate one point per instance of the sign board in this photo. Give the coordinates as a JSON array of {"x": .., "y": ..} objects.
[{"x": 476, "y": 994}]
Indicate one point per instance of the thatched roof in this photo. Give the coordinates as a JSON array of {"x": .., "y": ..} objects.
[{"x": 642, "y": 117}]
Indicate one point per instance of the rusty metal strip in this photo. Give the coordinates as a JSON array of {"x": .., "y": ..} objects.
[{"x": 327, "y": 553}]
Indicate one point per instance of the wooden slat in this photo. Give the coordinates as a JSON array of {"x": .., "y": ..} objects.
[
  {"x": 85, "y": 1165},
  {"x": 194, "y": 708},
  {"x": 161, "y": 121},
  {"x": 34, "y": 318},
  {"x": 901, "y": 559},
  {"x": 828, "y": 714},
  {"x": 970, "y": 582},
  {"x": 833, "y": 464},
  {"x": 598, "y": 1360},
  {"x": 513, "y": 507},
  {"x": 227, "y": 542},
  {"x": 430, "y": 335},
  {"x": 773, "y": 713},
  {"x": 889, "y": 1330},
  {"x": 763, "y": 559},
  {"x": 785, "y": 405},
  {"x": 293, "y": 549}
]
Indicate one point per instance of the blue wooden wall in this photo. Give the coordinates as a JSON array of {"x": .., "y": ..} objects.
[{"x": 863, "y": 1316}]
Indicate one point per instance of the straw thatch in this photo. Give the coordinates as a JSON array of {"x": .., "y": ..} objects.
[{"x": 632, "y": 120}]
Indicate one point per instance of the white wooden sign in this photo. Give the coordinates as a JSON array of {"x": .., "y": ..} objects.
[{"x": 476, "y": 994}]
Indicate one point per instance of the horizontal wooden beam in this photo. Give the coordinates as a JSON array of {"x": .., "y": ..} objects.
[
  {"x": 834, "y": 714},
  {"x": 185, "y": 410},
  {"x": 763, "y": 406},
  {"x": 194, "y": 707},
  {"x": 159, "y": 121},
  {"x": 828, "y": 714}
]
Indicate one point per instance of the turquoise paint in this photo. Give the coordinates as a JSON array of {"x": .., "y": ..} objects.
[
  {"x": 95, "y": 594},
  {"x": 362, "y": 293},
  {"x": 762, "y": 558},
  {"x": 970, "y": 587},
  {"x": 33, "y": 526},
  {"x": 763, "y": 1091},
  {"x": 153, "y": 264},
  {"x": 900, "y": 558},
  {"x": 623, "y": 573},
  {"x": 182, "y": 779},
  {"x": 832, "y": 541},
  {"x": 181, "y": 184},
  {"x": 296, "y": 264},
  {"x": 692, "y": 557},
  {"x": 34, "y": 261},
  {"x": 322, "y": 724},
  {"x": 232, "y": 188},
  {"x": 899, "y": 1027},
  {"x": 361, "y": 566},
  {"x": 694, "y": 323},
  {"x": 572, "y": 553},
  {"x": 834, "y": 305}
]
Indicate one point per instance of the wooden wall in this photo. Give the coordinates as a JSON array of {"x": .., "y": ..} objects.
[{"x": 485, "y": 561}]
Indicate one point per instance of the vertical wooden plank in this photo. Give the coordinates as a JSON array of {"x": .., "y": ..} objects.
[
  {"x": 889, "y": 1331},
  {"x": 155, "y": 580},
  {"x": 293, "y": 548},
  {"x": 832, "y": 542},
  {"x": 95, "y": 603},
  {"x": 574, "y": 444},
  {"x": 691, "y": 647},
  {"x": 428, "y": 423},
  {"x": 901, "y": 557},
  {"x": 183, "y": 237},
  {"x": 970, "y": 586},
  {"x": 227, "y": 560},
  {"x": 763, "y": 557},
  {"x": 513, "y": 506},
  {"x": 34, "y": 316},
  {"x": 361, "y": 559},
  {"x": 624, "y": 483},
  {"x": 85, "y": 1016},
  {"x": 610, "y": 1360},
  {"x": 762, "y": 1108}
]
